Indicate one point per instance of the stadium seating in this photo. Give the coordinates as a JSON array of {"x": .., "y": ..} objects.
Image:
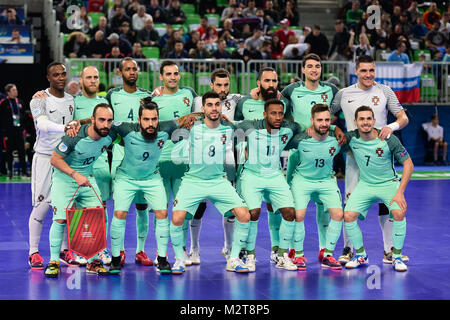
[{"x": 151, "y": 52}]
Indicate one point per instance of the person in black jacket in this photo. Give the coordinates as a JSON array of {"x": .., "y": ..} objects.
[
  {"x": 12, "y": 123},
  {"x": 76, "y": 45},
  {"x": 175, "y": 15},
  {"x": 319, "y": 43},
  {"x": 339, "y": 45}
]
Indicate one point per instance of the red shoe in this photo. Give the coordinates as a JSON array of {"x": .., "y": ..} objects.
[
  {"x": 68, "y": 259},
  {"x": 331, "y": 263},
  {"x": 35, "y": 261},
  {"x": 122, "y": 257},
  {"x": 291, "y": 254},
  {"x": 141, "y": 258},
  {"x": 300, "y": 262},
  {"x": 321, "y": 254}
]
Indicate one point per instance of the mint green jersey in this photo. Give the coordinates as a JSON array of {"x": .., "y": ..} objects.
[
  {"x": 141, "y": 156},
  {"x": 126, "y": 105},
  {"x": 302, "y": 100},
  {"x": 84, "y": 106},
  {"x": 251, "y": 109},
  {"x": 315, "y": 157},
  {"x": 375, "y": 158},
  {"x": 173, "y": 106},
  {"x": 82, "y": 151},
  {"x": 207, "y": 148},
  {"x": 264, "y": 149}
]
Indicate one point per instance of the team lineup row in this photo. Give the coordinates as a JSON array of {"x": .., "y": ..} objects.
[{"x": 146, "y": 164}]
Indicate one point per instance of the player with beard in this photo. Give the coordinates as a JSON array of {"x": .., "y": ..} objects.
[
  {"x": 253, "y": 109},
  {"x": 125, "y": 101},
  {"x": 138, "y": 173},
  {"x": 73, "y": 161},
  {"x": 220, "y": 83},
  {"x": 314, "y": 178}
]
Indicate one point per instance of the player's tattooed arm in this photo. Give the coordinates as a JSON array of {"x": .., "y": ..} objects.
[{"x": 59, "y": 163}]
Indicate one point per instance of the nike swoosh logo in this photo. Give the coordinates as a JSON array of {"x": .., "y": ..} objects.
[
  {"x": 251, "y": 110},
  {"x": 306, "y": 150},
  {"x": 116, "y": 103},
  {"x": 399, "y": 235},
  {"x": 51, "y": 111},
  {"x": 355, "y": 148},
  {"x": 243, "y": 241},
  {"x": 133, "y": 143},
  {"x": 299, "y": 97},
  {"x": 350, "y": 101}
]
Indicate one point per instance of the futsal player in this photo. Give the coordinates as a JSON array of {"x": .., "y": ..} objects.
[{"x": 378, "y": 181}]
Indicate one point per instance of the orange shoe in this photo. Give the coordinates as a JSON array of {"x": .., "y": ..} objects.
[{"x": 141, "y": 258}]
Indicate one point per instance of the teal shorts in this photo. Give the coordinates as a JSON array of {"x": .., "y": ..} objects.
[
  {"x": 103, "y": 176},
  {"x": 218, "y": 191},
  {"x": 365, "y": 194},
  {"x": 324, "y": 191},
  {"x": 62, "y": 191},
  {"x": 255, "y": 188},
  {"x": 151, "y": 191}
]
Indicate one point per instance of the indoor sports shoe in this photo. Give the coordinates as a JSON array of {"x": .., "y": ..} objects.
[
  {"x": 52, "y": 269},
  {"x": 162, "y": 265},
  {"x": 321, "y": 254},
  {"x": 399, "y": 264},
  {"x": 187, "y": 258},
  {"x": 387, "y": 257},
  {"x": 105, "y": 257},
  {"x": 285, "y": 263},
  {"x": 178, "y": 267},
  {"x": 274, "y": 257},
  {"x": 35, "y": 261},
  {"x": 96, "y": 267},
  {"x": 122, "y": 257},
  {"x": 143, "y": 259},
  {"x": 114, "y": 269},
  {"x": 300, "y": 262},
  {"x": 195, "y": 257},
  {"x": 357, "y": 261},
  {"x": 331, "y": 263},
  {"x": 346, "y": 256},
  {"x": 236, "y": 265},
  {"x": 226, "y": 253},
  {"x": 250, "y": 263},
  {"x": 81, "y": 260},
  {"x": 243, "y": 255},
  {"x": 67, "y": 258}
]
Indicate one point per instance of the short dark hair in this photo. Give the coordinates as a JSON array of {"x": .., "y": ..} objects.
[
  {"x": 363, "y": 108},
  {"x": 166, "y": 63},
  {"x": 220, "y": 73},
  {"x": 311, "y": 56},
  {"x": 264, "y": 70},
  {"x": 434, "y": 116},
  {"x": 209, "y": 95},
  {"x": 147, "y": 104},
  {"x": 52, "y": 64},
  {"x": 123, "y": 61},
  {"x": 9, "y": 86},
  {"x": 272, "y": 101},
  {"x": 102, "y": 105},
  {"x": 363, "y": 59},
  {"x": 319, "y": 107}
]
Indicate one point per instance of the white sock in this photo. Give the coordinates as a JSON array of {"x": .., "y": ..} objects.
[
  {"x": 35, "y": 224},
  {"x": 196, "y": 225},
  {"x": 386, "y": 225},
  {"x": 228, "y": 230}
]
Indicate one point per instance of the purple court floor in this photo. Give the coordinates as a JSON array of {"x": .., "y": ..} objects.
[{"x": 427, "y": 244}]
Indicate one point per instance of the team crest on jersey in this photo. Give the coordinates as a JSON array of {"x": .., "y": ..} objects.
[
  {"x": 379, "y": 152},
  {"x": 161, "y": 143},
  {"x": 41, "y": 197},
  {"x": 228, "y": 105},
  {"x": 62, "y": 147},
  {"x": 224, "y": 138},
  {"x": 375, "y": 100},
  {"x": 324, "y": 97},
  {"x": 284, "y": 138},
  {"x": 332, "y": 150},
  {"x": 71, "y": 109},
  {"x": 187, "y": 101},
  {"x": 175, "y": 203}
]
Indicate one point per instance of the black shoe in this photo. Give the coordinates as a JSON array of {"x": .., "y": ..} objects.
[
  {"x": 115, "y": 267},
  {"x": 162, "y": 265}
]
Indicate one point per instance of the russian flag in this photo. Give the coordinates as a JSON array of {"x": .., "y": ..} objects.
[{"x": 403, "y": 79}]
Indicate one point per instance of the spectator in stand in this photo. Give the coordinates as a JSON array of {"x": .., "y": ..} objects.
[
  {"x": 76, "y": 46},
  {"x": 102, "y": 25},
  {"x": 396, "y": 36},
  {"x": 246, "y": 31},
  {"x": 420, "y": 31},
  {"x": 73, "y": 88},
  {"x": 98, "y": 47},
  {"x": 115, "y": 40},
  {"x": 113, "y": 66},
  {"x": 85, "y": 24},
  {"x": 193, "y": 40},
  {"x": 340, "y": 42},
  {"x": 265, "y": 50},
  {"x": 204, "y": 25},
  {"x": 126, "y": 33},
  {"x": 295, "y": 50},
  {"x": 318, "y": 42},
  {"x": 446, "y": 57},
  {"x": 221, "y": 52},
  {"x": 208, "y": 6},
  {"x": 263, "y": 24},
  {"x": 276, "y": 47},
  {"x": 435, "y": 134},
  {"x": 137, "y": 54},
  {"x": 148, "y": 36},
  {"x": 210, "y": 38},
  {"x": 139, "y": 18},
  {"x": 353, "y": 16},
  {"x": 9, "y": 17},
  {"x": 230, "y": 11},
  {"x": 132, "y": 8},
  {"x": 271, "y": 16},
  {"x": 175, "y": 15},
  {"x": 382, "y": 51},
  {"x": 445, "y": 24},
  {"x": 95, "y": 6},
  {"x": 165, "y": 39},
  {"x": 386, "y": 23},
  {"x": 435, "y": 40},
  {"x": 250, "y": 10},
  {"x": 112, "y": 9},
  {"x": 290, "y": 12},
  {"x": 406, "y": 25},
  {"x": 363, "y": 48},
  {"x": 255, "y": 41},
  {"x": 431, "y": 16},
  {"x": 241, "y": 53},
  {"x": 156, "y": 11},
  {"x": 399, "y": 55},
  {"x": 229, "y": 34},
  {"x": 200, "y": 51},
  {"x": 284, "y": 33},
  {"x": 119, "y": 18},
  {"x": 395, "y": 18},
  {"x": 413, "y": 12},
  {"x": 179, "y": 52}
]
